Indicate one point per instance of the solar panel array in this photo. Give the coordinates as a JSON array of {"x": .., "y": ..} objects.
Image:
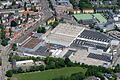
[
  {"x": 42, "y": 51},
  {"x": 78, "y": 43},
  {"x": 89, "y": 21},
  {"x": 99, "y": 57},
  {"x": 69, "y": 53},
  {"x": 94, "y": 36}
]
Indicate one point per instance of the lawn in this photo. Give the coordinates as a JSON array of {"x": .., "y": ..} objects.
[
  {"x": 83, "y": 16},
  {"x": 100, "y": 18},
  {"x": 48, "y": 75}
]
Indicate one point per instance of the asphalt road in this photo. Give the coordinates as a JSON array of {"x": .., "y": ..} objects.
[
  {"x": 5, "y": 64},
  {"x": 6, "y": 50}
]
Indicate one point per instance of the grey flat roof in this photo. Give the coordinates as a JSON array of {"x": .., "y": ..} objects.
[
  {"x": 42, "y": 51},
  {"x": 78, "y": 43},
  {"x": 69, "y": 52},
  {"x": 99, "y": 57},
  {"x": 93, "y": 35}
]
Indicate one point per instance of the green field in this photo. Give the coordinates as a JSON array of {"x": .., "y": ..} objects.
[
  {"x": 100, "y": 18},
  {"x": 82, "y": 16},
  {"x": 48, "y": 75}
]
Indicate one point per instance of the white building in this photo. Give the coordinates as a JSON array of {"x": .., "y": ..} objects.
[
  {"x": 64, "y": 34},
  {"x": 25, "y": 63}
]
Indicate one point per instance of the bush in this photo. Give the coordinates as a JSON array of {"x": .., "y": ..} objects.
[
  {"x": 41, "y": 30},
  {"x": 4, "y": 43},
  {"x": 9, "y": 73}
]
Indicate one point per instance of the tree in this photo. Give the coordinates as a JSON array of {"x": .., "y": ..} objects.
[
  {"x": 91, "y": 25},
  {"x": 77, "y": 76},
  {"x": 91, "y": 72},
  {"x": 50, "y": 66},
  {"x": 32, "y": 68},
  {"x": 59, "y": 63},
  {"x": 9, "y": 73},
  {"x": 97, "y": 28},
  {"x": 20, "y": 70},
  {"x": 25, "y": 8},
  {"x": 0, "y": 61},
  {"x": 13, "y": 24},
  {"x": 117, "y": 68},
  {"x": 4, "y": 42},
  {"x": 14, "y": 47},
  {"x": 54, "y": 24},
  {"x": 13, "y": 2},
  {"x": 41, "y": 67},
  {"x": 10, "y": 31},
  {"x": 41, "y": 30},
  {"x": 3, "y": 33},
  {"x": 68, "y": 62}
]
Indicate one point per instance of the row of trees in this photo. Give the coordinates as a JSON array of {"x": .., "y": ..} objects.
[
  {"x": 18, "y": 58},
  {"x": 9, "y": 73},
  {"x": 55, "y": 63},
  {"x": 3, "y": 36},
  {"x": 51, "y": 63},
  {"x": 0, "y": 61}
]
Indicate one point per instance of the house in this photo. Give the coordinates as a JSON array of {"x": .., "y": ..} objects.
[
  {"x": 61, "y": 6},
  {"x": 117, "y": 9},
  {"x": 50, "y": 20},
  {"x": 88, "y": 10},
  {"x": 98, "y": 10},
  {"x": 74, "y": 11}
]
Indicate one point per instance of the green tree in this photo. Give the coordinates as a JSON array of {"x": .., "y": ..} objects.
[
  {"x": 13, "y": 23},
  {"x": 117, "y": 68},
  {"x": 3, "y": 33},
  {"x": 68, "y": 62},
  {"x": 77, "y": 76},
  {"x": 50, "y": 66},
  {"x": 41, "y": 67},
  {"x": 20, "y": 70},
  {"x": 54, "y": 24},
  {"x": 10, "y": 31},
  {"x": 0, "y": 61},
  {"x": 9, "y": 73},
  {"x": 4, "y": 42},
  {"x": 41, "y": 30},
  {"x": 14, "y": 47}
]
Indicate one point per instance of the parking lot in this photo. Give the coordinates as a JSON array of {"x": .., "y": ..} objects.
[{"x": 82, "y": 57}]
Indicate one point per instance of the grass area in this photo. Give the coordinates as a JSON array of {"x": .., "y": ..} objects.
[
  {"x": 100, "y": 18},
  {"x": 83, "y": 16},
  {"x": 48, "y": 75}
]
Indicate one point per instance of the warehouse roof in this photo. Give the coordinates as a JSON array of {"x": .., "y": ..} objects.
[
  {"x": 31, "y": 43},
  {"x": 67, "y": 30},
  {"x": 93, "y": 35},
  {"x": 64, "y": 34}
]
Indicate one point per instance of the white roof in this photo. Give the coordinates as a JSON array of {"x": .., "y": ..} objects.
[
  {"x": 114, "y": 42},
  {"x": 64, "y": 34},
  {"x": 67, "y": 30},
  {"x": 25, "y": 61}
]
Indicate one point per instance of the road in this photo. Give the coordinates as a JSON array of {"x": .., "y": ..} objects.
[
  {"x": 5, "y": 64},
  {"x": 6, "y": 50},
  {"x": 46, "y": 14}
]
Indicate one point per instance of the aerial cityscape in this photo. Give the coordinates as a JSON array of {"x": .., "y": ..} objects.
[{"x": 59, "y": 39}]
